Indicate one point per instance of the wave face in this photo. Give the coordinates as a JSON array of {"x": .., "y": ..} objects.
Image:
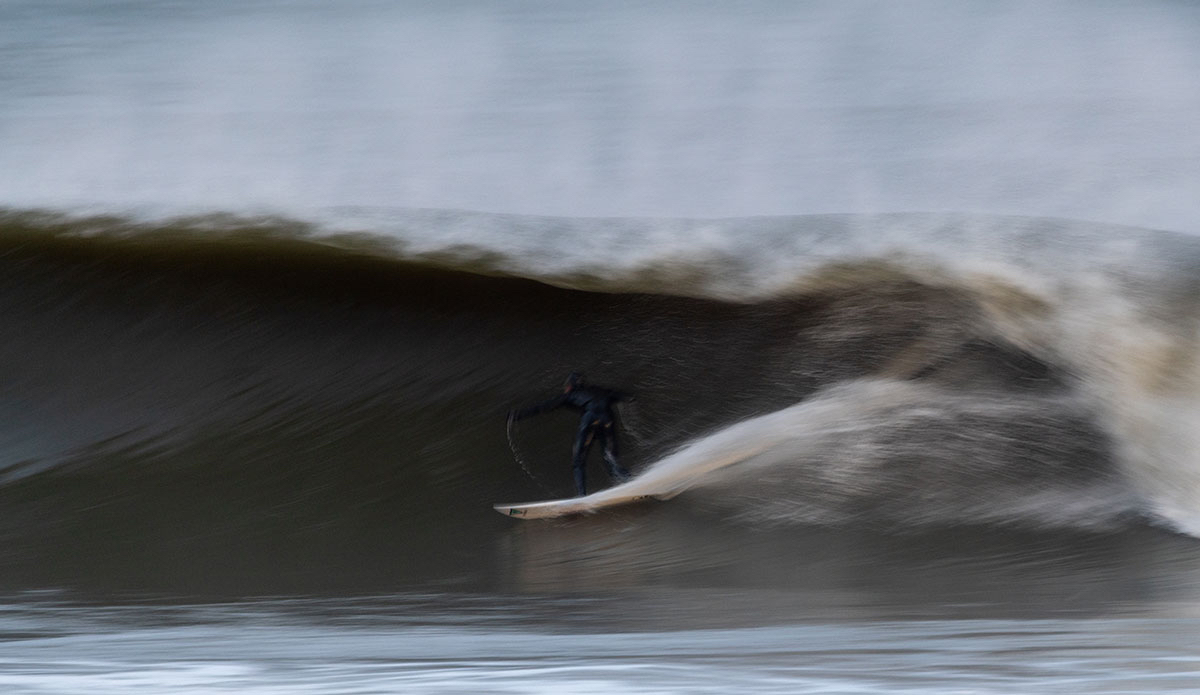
[{"x": 225, "y": 385}]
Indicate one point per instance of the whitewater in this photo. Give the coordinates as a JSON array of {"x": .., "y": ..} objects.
[{"x": 906, "y": 293}]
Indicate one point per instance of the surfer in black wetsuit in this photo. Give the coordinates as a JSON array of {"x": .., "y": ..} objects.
[{"x": 597, "y": 423}]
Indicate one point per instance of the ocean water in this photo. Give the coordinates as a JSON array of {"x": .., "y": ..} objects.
[{"x": 907, "y": 294}]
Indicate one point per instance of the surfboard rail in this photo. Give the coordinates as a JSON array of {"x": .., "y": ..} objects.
[{"x": 590, "y": 504}]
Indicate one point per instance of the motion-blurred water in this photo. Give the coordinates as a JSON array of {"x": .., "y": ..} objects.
[
  {"x": 258, "y": 353},
  {"x": 1074, "y": 109}
]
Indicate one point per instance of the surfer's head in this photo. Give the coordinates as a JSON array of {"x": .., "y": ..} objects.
[{"x": 573, "y": 379}]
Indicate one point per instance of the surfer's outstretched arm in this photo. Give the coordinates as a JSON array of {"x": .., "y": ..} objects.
[{"x": 542, "y": 407}]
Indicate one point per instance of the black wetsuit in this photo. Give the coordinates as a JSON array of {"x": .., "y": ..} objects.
[{"x": 597, "y": 423}]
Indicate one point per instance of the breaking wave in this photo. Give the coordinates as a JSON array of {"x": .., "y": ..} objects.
[{"x": 269, "y": 377}]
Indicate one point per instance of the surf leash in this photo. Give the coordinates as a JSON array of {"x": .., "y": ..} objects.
[{"x": 512, "y": 424}]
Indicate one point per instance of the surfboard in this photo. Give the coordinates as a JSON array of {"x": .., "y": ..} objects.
[
  {"x": 662, "y": 481},
  {"x": 576, "y": 505}
]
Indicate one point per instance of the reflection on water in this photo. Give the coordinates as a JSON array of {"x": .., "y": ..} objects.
[{"x": 843, "y": 573}]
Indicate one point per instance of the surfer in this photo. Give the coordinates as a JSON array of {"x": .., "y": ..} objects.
[{"x": 597, "y": 423}]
